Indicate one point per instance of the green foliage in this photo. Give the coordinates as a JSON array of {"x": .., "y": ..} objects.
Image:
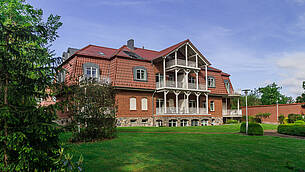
[
  {"x": 92, "y": 107},
  {"x": 281, "y": 119},
  {"x": 65, "y": 162},
  {"x": 250, "y": 119},
  {"x": 231, "y": 121},
  {"x": 291, "y": 129},
  {"x": 301, "y": 98},
  {"x": 293, "y": 117},
  {"x": 263, "y": 115},
  {"x": 253, "y": 99},
  {"x": 299, "y": 122},
  {"x": 271, "y": 95},
  {"x": 253, "y": 129},
  {"x": 28, "y": 136}
]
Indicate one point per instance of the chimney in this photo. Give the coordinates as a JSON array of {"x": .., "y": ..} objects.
[{"x": 130, "y": 44}]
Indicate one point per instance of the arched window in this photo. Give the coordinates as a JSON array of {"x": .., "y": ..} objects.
[
  {"x": 195, "y": 122},
  {"x": 211, "y": 82},
  {"x": 172, "y": 123},
  {"x": 133, "y": 103},
  {"x": 159, "y": 123},
  {"x": 144, "y": 104},
  {"x": 184, "y": 123}
]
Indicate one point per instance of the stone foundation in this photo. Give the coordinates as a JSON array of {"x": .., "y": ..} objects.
[{"x": 167, "y": 121}]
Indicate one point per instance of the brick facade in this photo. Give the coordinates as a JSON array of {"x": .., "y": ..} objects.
[
  {"x": 283, "y": 109},
  {"x": 118, "y": 66}
]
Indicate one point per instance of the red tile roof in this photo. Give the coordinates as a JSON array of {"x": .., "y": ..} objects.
[{"x": 94, "y": 51}]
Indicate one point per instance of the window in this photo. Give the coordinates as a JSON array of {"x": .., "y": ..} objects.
[
  {"x": 212, "y": 106},
  {"x": 133, "y": 121},
  {"x": 172, "y": 123},
  {"x": 227, "y": 85},
  {"x": 159, "y": 123},
  {"x": 144, "y": 120},
  {"x": 211, "y": 81},
  {"x": 195, "y": 122},
  {"x": 191, "y": 79},
  {"x": 133, "y": 103},
  {"x": 192, "y": 104},
  {"x": 91, "y": 72},
  {"x": 140, "y": 74},
  {"x": 61, "y": 76},
  {"x": 205, "y": 122},
  {"x": 183, "y": 123},
  {"x": 144, "y": 103},
  {"x": 204, "y": 105}
]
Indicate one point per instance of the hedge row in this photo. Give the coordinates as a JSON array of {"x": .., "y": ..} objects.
[
  {"x": 291, "y": 129},
  {"x": 253, "y": 129}
]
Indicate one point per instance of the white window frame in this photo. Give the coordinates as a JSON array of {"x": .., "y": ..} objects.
[
  {"x": 91, "y": 72},
  {"x": 159, "y": 123},
  {"x": 211, "y": 82},
  {"x": 132, "y": 103},
  {"x": 184, "y": 123},
  {"x": 172, "y": 122},
  {"x": 144, "y": 103},
  {"x": 212, "y": 106},
  {"x": 142, "y": 74}
]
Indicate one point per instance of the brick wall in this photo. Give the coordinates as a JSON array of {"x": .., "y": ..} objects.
[
  {"x": 122, "y": 101},
  {"x": 284, "y": 109}
]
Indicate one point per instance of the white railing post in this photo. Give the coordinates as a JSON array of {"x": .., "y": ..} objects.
[
  {"x": 187, "y": 102},
  {"x": 207, "y": 103},
  {"x": 186, "y": 60},
  {"x": 165, "y": 108},
  {"x": 164, "y": 74},
  {"x": 176, "y": 77},
  {"x": 197, "y": 80},
  {"x": 177, "y": 101},
  {"x": 198, "y": 94}
]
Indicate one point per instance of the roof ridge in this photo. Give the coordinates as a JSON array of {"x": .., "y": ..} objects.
[{"x": 101, "y": 46}]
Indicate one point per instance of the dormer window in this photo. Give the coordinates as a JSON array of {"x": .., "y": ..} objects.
[
  {"x": 140, "y": 73},
  {"x": 227, "y": 85},
  {"x": 211, "y": 82},
  {"x": 91, "y": 72}
]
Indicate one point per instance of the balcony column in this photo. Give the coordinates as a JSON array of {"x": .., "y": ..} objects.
[
  {"x": 176, "y": 77},
  {"x": 186, "y": 71},
  {"x": 207, "y": 103},
  {"x": 197, "y": 80},
  {"x": 177, "y": 101},
  {"x": 176, "y": 60},
  {"x": 206, "y": 77},
  {"x": 238, "y": 104},
  {"x": 159, "y": 75},
  {"x": 226, "y": 105},
  {"x": 164, "y": 74},
  {"x": 160, "y": 108},
  {"x": 187, "y": 101},
  {"x": 196, "y": 60},
  {"x": 198, "y": 94},
  {"x": 186, "y": 60},
  {"x": 165, "y": 108}
]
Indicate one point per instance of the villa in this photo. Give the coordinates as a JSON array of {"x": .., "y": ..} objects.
[{"x": 176, "y": 86}]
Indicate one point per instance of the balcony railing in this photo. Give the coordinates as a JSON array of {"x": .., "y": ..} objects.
[
  {"x": 232, "y": 113},
  {"x": 181, "y": 111},
  {"x": 181, "y": 63},
  {"x": 100, "y": 80},
  {"x": 235, "y": 93},
  {"x": 172, "y": 84}
]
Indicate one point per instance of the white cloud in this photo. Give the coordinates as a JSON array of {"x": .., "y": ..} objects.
[{"x": 291, "y": 67}]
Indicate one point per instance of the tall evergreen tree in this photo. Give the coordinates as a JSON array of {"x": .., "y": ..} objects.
[{"x": 28, "y": 136}]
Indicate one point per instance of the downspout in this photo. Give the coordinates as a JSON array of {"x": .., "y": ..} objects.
[{"x": 152, "y": 103}]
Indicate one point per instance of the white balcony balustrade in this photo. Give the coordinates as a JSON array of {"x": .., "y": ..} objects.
[
  {"x": 182, "y": 111},
  {"x": 232, "y": 113},
  {"x": 180, "y": 62},
  {"x": 172, "y": 84}
]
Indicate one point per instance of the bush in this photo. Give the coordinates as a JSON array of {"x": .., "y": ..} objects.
[
  {"x": 293, "y": 117},
  {"x": 253, "y": 129},
  {"x": 232, "y": 121},
  {"x": 250, "y": 119},
  {"x": 291, "y": 129},
  {"x": 299, "y": 122},
  {"x": 281, "y": 119}
]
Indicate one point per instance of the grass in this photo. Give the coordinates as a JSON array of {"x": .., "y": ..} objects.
[
  {"x": 234, "y": 128},
  {"x": 190, "y": 152}
]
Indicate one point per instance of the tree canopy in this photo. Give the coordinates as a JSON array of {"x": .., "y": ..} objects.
[{"x": 301, "y": 98}]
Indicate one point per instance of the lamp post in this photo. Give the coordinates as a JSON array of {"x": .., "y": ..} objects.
[{"x": 246, "y": 93}]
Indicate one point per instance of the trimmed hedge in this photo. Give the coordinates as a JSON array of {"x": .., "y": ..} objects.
[
  {"x": 291, "y": 129},
  {"x": 232, "y": 121},
  {"x": 253, "y": 129}
]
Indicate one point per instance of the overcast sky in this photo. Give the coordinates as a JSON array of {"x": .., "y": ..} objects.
[{"x": 257, "y": 42}]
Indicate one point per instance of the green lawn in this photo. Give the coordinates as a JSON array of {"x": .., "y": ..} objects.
[
  {"x": 219, "y": 128},
  {"x": 190, "y": 152}
]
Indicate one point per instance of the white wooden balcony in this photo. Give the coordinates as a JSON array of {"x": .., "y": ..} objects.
[
  {"x": 180, "y": 85},
  {"x": 231, "y": 113},
  {"x": 172, "y": 111},
  {"x": 99, "y": 80},
  {"x": 180, "y": 62}
]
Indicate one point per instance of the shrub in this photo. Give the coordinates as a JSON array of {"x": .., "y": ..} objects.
[
  {"x": 281, "y": 119},
  {"x": 293, "y": 117},
  {"x": 299, "y": 122},
  {"x": 285, "y": 120},
  {"x": 291, "y": 129},
  {"x": 232, "y": 121},
  {"x": 253, "y": 129},
  {"x": 250, "y": 119}
]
